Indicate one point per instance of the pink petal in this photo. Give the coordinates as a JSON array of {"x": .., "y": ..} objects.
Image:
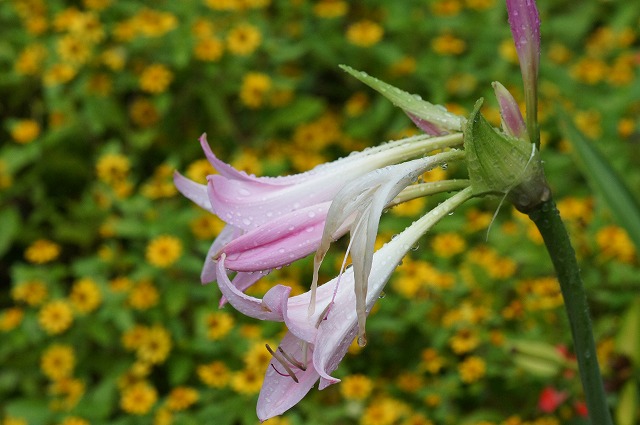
[
  {"x": 279, "y": 242},
  {"x": 251, "y": 306},
  {"x": 243, "y": 281},
  {"x": 194, "y": 191},
  {"x": 227, "y": 234}
]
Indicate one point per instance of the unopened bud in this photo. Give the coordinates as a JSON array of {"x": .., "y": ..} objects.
[{"x": 502, "y": 164}]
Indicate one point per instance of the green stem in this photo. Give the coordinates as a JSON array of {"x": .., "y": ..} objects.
[{"x": 556, "y": 239}]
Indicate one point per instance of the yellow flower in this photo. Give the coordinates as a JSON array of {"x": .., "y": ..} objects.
[
  {"x": 614, "y": 242},
  {"x": 209, "y": 49},
  {"x": 132, "y": 338},
  {"x": 138, "y": 399},
  {"x": 73, "y": 49},
  {"x": 74, "y": 420},
  {"x": 59, "y": 73},
  {"x": 383, "y": 411},
  {"x": 10, "y": 420},
  {"x": 448, "y": 244},
  {"x": 448, "y": 44},
  {"x": 96, "y": 4},
  {"x": 330, "y": 8},
  {"x": 155, "y": 345},
  {"x": 431, "y": 361},
  {"x": 364, "y": 33},
  {"x": 6, "y": 180},
  {"x": 181, "y": 398},
  {"x": 143, "y": 296},
  {"x": 163, "y": 416},
  {"x": 215, "y": 374},
  {"x": 114, "y": 58},
  {"x": 25, "y": 131},
  {"x": 42, "y": 251},
  {"x": 85, "y": 295},
  {"x": 163, "y": 251},
  {"x": 507, "y": 50},
  {"x": 472, "y": 369},
  {"x": 112, "y": 167},
  {"x": 479, "y": 4},
  {"x": 446, "y": 7},
  {"x": 432, "y": 400},
  {"x": 417, "y": 419},
  {"x": 356, "y": 387},
  {"x": 463, "y": 341},
  {"x": 243, "y": 39},
  {"x": 405, "y": 66},
  {"x": 255, "y": 86},
  {"x": 219, "y": 324},
  {"x": 30, "y": 60},
  {"x": 257, "y": 357},
  {"x": 58, "y": 361},
  {"x": 155, "y": 78},
  {"x": 55, "y": 317},
  {"x": 143, "y": 113},
  {"x": 590, "y": 70},
  {"x": 71, "y": 391},
  {"x": 10, "y": 318},
  {"x": 120, "y": 284},
  {"x": 100, "y": 84},
  {"x": 153, "y": 23},
  {"x": 247, "y": 381},
  {"x": 32, "y": 292},
  {"x": 202, "y": 28}
]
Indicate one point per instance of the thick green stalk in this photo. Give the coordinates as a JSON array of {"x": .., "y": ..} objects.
[{"x": 556, "y": 239}]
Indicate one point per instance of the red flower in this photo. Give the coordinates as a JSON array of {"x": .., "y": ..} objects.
[
  {"x": 550, "y": 399},
  {"x": 581, "y": 408}
]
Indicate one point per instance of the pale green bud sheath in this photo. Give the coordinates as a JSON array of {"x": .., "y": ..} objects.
[{"x": 504, "y": 165}]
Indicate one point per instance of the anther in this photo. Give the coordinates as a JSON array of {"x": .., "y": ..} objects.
[
  {"x": 292, "y": 360},
  {"x": 283, "y": 362}
]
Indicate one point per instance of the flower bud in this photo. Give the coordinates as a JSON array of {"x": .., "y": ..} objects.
[{"x": 502, "y": 164}]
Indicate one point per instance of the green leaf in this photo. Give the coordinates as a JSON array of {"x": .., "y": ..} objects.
[
  {"x": 626, "y": 411},
  {"x": 628, "y": 337},
  {"x": 9, "y": 226},
  {"x": 604, "y": 179},
  {"x": 34, "y": 411}
]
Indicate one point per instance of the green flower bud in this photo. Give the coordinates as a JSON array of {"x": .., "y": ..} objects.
[{"x": 502, "y": 164}]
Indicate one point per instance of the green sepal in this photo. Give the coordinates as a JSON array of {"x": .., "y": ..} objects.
[
  {"x": 503, "y": 165},
  {"x": 410, "y": 103}
]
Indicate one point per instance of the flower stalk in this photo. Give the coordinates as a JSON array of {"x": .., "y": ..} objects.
[{"x": 556, "y": 239}]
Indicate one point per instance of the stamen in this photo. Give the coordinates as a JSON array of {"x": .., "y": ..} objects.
[
  {"x": 292, "y": 360},
  {"x": 280, "y": 373},
  {"x": 283, "y": 362}
]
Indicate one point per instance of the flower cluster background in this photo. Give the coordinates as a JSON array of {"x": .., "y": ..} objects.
[{"x": 102, "y": 316}]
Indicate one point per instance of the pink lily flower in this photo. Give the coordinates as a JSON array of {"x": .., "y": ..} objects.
[
  {"x": 358, "y": 208},
  {"x": 272, "y": 221},
  {"x": 317, "y": 342}
]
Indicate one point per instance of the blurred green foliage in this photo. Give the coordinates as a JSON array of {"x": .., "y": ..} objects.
[{"x": 102, "y": 317}]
